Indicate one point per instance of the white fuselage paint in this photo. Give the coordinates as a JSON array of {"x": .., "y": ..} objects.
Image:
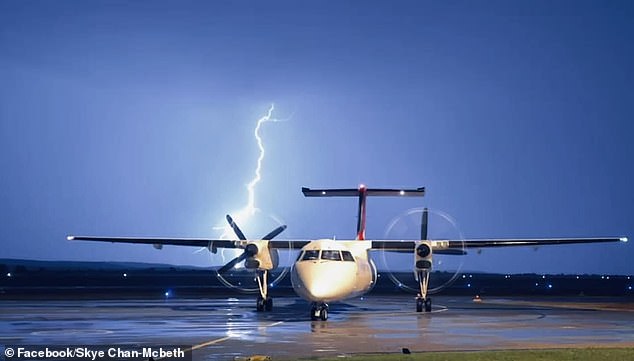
[{"x": 322, "y": 280}]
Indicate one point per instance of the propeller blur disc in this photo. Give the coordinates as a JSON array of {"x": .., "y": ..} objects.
[
  {"x": 399, "y": 267},
  {"x": 258, "y": 226}
]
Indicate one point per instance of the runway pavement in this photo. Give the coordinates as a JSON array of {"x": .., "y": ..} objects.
[{"x": 223, "y": 328}]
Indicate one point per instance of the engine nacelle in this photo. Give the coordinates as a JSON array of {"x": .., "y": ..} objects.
[
  {"x": 423, "y": 256},
  {"x": 264, "y": 257}
]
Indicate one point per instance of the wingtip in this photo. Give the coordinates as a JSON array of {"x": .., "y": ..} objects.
[
  {"x": 623, "y": 239},
  {"x": 70, "y": 238}
]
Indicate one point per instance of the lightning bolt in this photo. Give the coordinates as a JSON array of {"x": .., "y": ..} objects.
[{"x": 243, "y": 215}]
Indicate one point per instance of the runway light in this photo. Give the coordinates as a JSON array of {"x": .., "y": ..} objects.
[
  {"x": 544, "y": 276},
  {"x": 125, "y": 275},
  {"x": 9, "y": 274},
  {"x": 629, "y": 288},
  {"x": 550, "y": 286},
  {"x": 607, "y": 278},
  {"x": 468, "y": 284},
  {"x": 167, "y": 294},
  {"x": 464, "y": 276},
  {"x": 602, "y": 277},
  {"x": 577, "y": 277},
  {"x": 536, "y": 284},
  {"x": 628, "y": 277}
]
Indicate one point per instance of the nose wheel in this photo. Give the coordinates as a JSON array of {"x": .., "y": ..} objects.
[{"x": 319, "y": 311}]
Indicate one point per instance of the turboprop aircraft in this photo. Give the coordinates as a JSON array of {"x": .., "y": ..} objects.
[{"x": 327, "y": 270}]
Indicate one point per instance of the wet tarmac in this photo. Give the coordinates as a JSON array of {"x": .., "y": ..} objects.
[{"x": 223, "y": 328}]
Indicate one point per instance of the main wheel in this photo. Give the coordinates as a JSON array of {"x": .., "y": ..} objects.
[
  {"x": 268, "y": 304},
  {"x": 428, "y": 305},
  {"x": 419, "y": 304},
  {"x": 259, "y": 305}
]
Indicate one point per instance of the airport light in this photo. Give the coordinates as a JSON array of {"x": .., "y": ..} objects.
[
  {"x": 550, "y": 286},
  {"x": 125, "y": 275},
  {"x": 536, "y": 284},
  {"x": 629, "y": 288},
  {"x": 468, "y": 284},
  {"x": 9, "y": 274}
]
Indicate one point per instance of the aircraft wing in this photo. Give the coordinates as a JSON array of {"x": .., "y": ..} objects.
[
  {"x": 192, "y": 242},
  {"x": 458, "y": 246}
]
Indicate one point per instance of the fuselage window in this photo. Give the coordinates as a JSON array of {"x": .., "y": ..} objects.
[
  {"x": 310, "y": 255},
  {"x": 347, "y": 256},
  {"x": 331, "y": 255}
]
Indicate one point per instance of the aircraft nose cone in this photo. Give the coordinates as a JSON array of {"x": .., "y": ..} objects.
[{"x": 322, "y": 282}]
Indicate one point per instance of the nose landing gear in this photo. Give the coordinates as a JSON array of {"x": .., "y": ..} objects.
[{"x": 319, "y": 311}]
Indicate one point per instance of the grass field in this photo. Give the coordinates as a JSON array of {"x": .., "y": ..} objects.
[{"x": 575, "y": 354}]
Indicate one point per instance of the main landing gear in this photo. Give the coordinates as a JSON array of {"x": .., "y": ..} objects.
[
  {"x": 422, "y": 301},
  {"x": 263, "y": 303},
  {"x": 319, "y": 311}
]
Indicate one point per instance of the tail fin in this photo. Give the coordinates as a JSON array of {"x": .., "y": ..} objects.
[{"x": 362, "y": 192}]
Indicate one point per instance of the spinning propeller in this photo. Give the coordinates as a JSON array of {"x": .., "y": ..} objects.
[
  {"x": 251, "y": 249},
  {"x": 424, "y": 224}
]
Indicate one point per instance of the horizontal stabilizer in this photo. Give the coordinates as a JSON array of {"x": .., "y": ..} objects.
[{"x": 371, "y": 192}]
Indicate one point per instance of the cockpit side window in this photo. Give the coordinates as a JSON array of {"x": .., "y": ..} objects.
[
  {"x": 347, "y": 256},
  {"x": 310, "y": 255},
  {"x": 299, "y": 256},
  {"x": 331, "y": 255}
]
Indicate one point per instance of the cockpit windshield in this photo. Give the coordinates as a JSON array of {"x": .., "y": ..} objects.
[
  {"x": 331, "y": 255},
  {"x": 311, "y": 255}
]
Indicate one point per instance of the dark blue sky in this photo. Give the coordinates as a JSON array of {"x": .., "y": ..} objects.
[{"x": 137, "y": 119}]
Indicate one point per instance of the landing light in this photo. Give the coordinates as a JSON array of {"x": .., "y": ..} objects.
[
  {"x": 402, "y": 192},
  {"x": 323, "y": 192}
]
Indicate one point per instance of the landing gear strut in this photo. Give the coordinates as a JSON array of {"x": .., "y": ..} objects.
[
  {"x": 319, "y": 311},
  {"x": 422, "y": 301},
  {"x": 263, "y": 303}
]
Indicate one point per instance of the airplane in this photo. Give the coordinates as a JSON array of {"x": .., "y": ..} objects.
[{"x": 329, "y": 270}]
